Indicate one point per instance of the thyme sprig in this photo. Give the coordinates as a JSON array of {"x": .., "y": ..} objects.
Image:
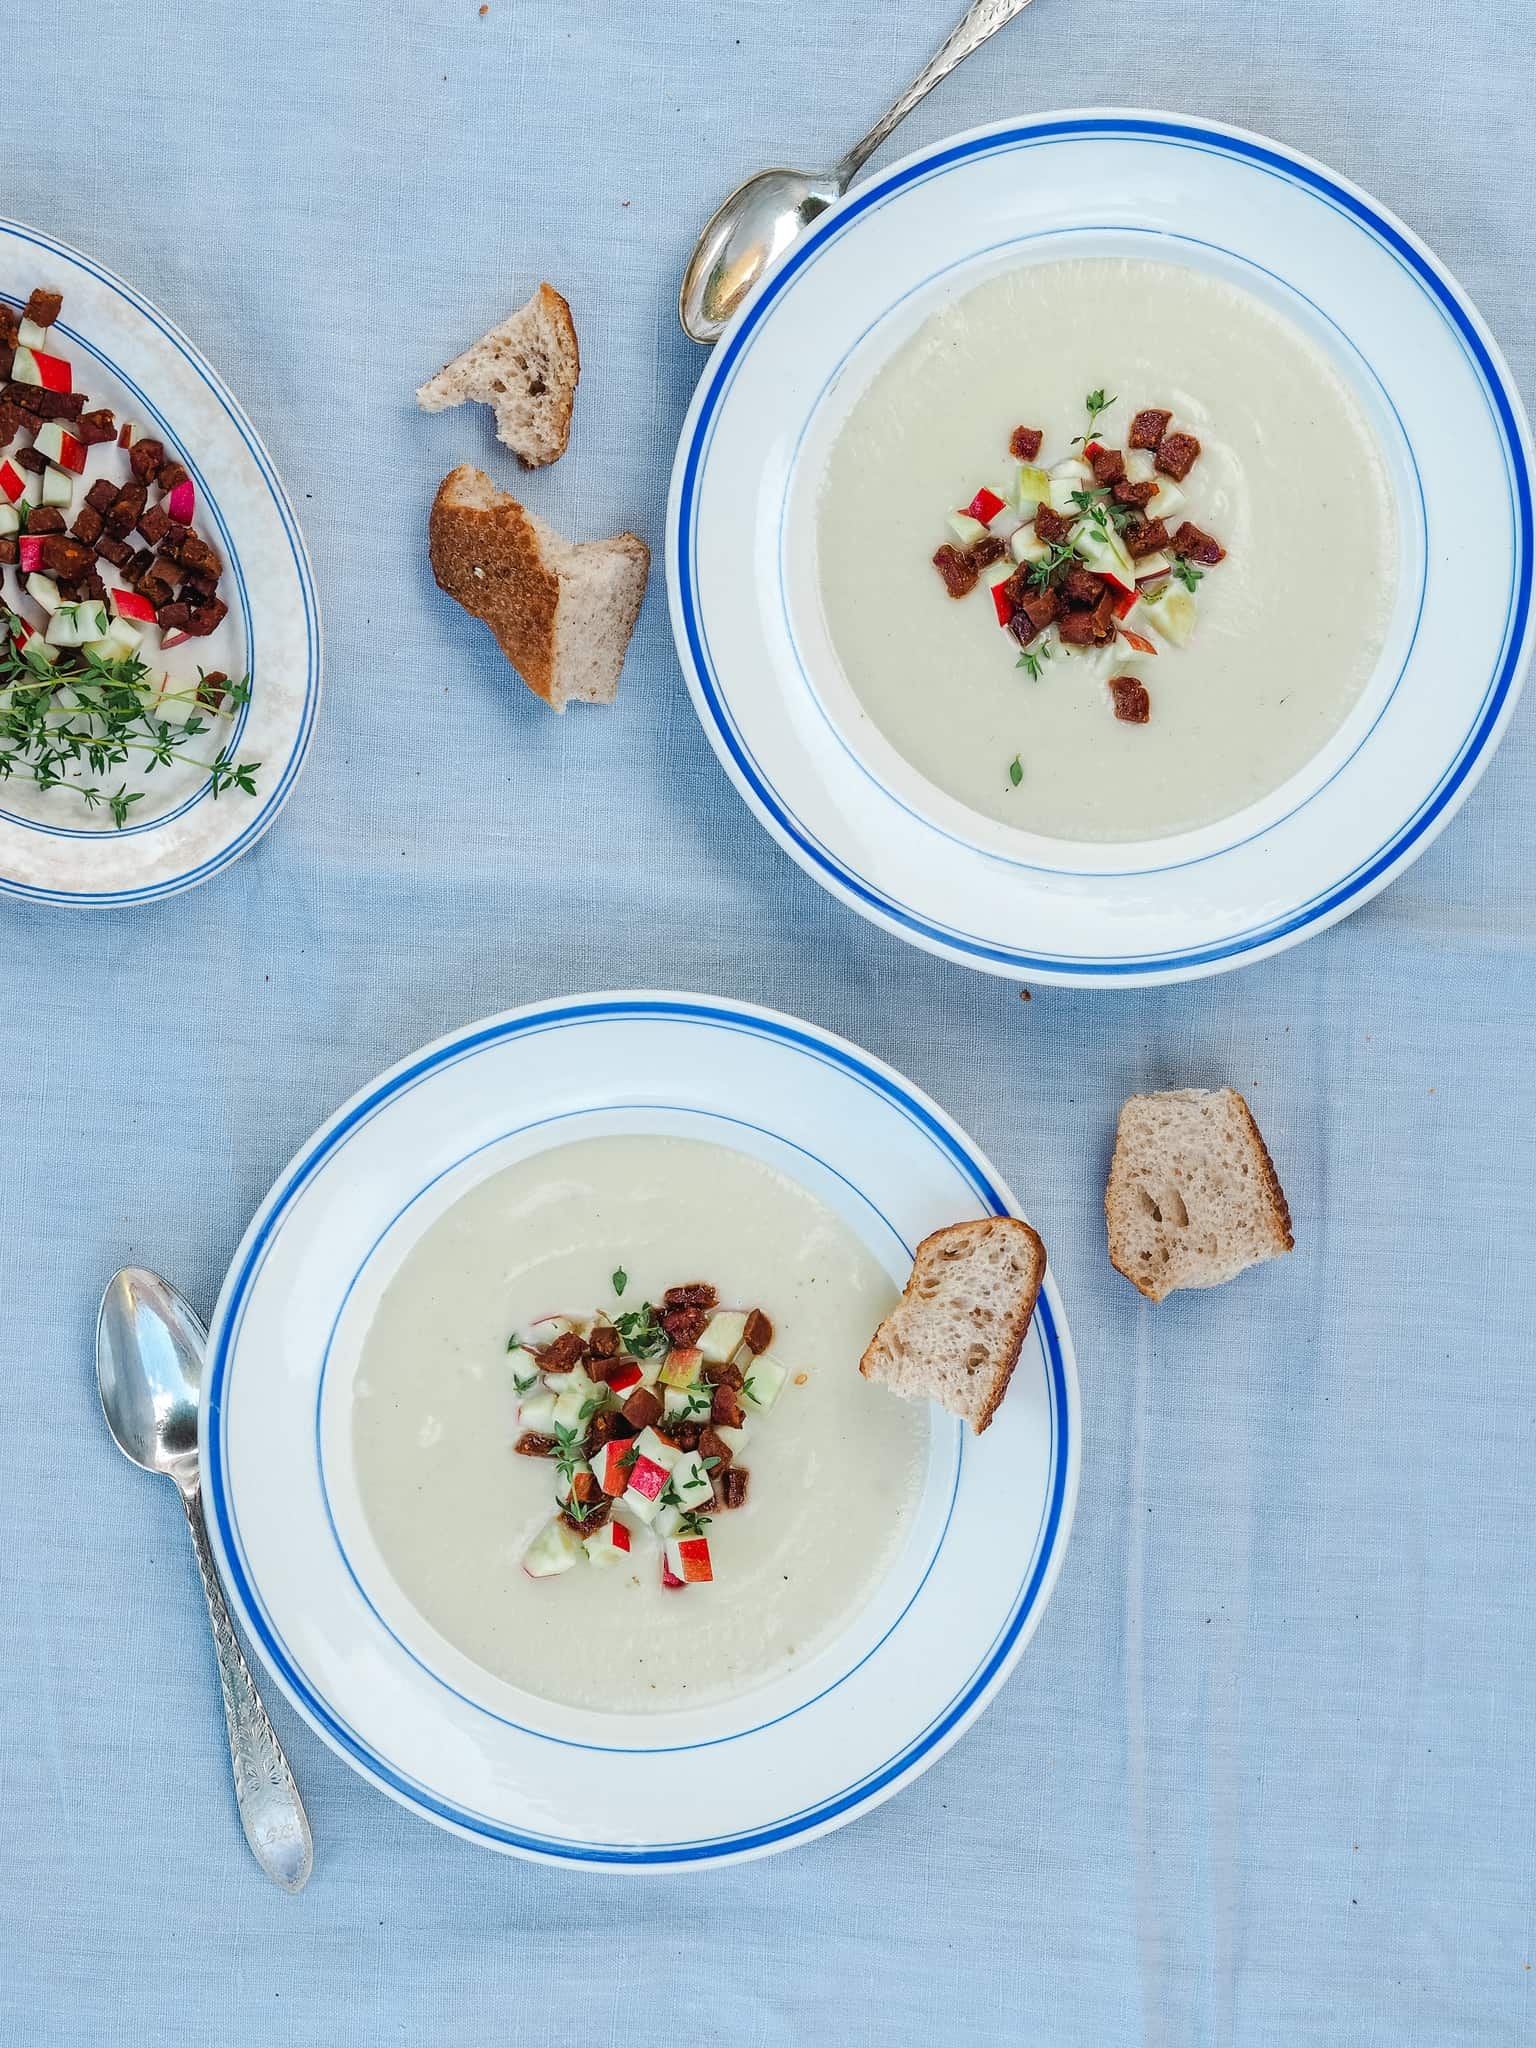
[
  {"x": 1096, "y": 403},
  {"x": 81, "y": 715}
]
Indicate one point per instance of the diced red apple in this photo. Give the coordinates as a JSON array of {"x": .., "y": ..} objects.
[
  {"x": 36, "y": 366},
  {"x": 44, "y": 591},
  {"x": 1139, "y": 641},
  {"x": 722, "y": 1336},
  {"x": 966, "y": 529},
  {"x": 565, "y": 1480},
  {"x": 30, "y": 552},
  {"x": 985, "y": 506},
  {"x": 668, "y": 1520},
  {"x": 687, "y": 1559},
  {"x": 55, "y": 443},
  {"x": 612, "y": 1475},
  {"x": 173, "y": 639},
  {"x": 181, "y": 502},
  {"x": 624, "y": 1377},
  {"x": 669, "y": 1577},
  {"x": 610, "y": 1544},
  {"x": 687, "y": 1404},
  {"x": 735, "y": 1439},
  {"x": 58, "y": 487},
  {"x": 555, "y": 1549},
  {"x": 682, "y": 1368},
  {"x": 13, "y": 481},
  {"x": 651, "y": 1446},
  {"x": 127, "y": 604},
  {"x": 10, "y": 518},
  {"x": 646, "y": 1481},
  {"x": 30, "y": 335},
  {"x": 575, "y": 1392},
  {"x": 1002, "y": 603},
  {"x": 691, "y": 1482}
]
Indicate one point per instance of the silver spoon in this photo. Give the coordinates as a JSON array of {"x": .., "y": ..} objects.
[
  {"x": 753, "y": 228},
  {"x": 149, "y": 1367}
]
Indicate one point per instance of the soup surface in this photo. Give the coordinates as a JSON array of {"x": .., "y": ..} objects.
[
  {"x": 1291, "y": 480},
  {"x": 837, "y": 1466}
]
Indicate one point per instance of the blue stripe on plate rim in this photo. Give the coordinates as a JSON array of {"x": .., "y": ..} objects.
[
  {"x": 278, "y": 794},
  {"x": 1369, "y": 875},
  {"x": 806, "y": 1039}
]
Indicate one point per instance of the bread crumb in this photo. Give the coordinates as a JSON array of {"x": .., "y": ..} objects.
[
  {"x": 1025, "y": 996},
  {"x": 484, "y": 11}
]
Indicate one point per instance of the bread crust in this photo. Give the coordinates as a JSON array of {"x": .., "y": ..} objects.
[
  {"x": 519, "y": 593},
  {"x": 933, "y": 1246}
]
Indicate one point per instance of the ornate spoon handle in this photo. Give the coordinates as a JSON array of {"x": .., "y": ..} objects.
[
  {"x": 271, "y": 1811},
  {"x": 982, "y": 19}
]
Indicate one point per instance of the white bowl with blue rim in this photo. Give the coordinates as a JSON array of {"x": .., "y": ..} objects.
[
  {"x": 742, "y": 572},
  {"x": 775, "y": 1766},
  {"x": 55, "y": 847}
]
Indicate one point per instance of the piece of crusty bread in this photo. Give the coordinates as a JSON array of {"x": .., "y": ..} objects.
[
  {"x": 956, "y": 1333},
  {"x": 526, "y": 369},
  {"x": 1193, "y": 1197},
  {"x": 562, "y": 610}
]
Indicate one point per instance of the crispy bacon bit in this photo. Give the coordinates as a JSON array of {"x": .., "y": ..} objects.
[
  {"x": 170, "y": 475},
  {"x": 726, "y": 1409},
  {"x": 584, "y": 1487},
  {"x": 643, "y": 1409},
  {"x": 958, "y": 570},
  {"x": 1139, "y": 495},
  {"x": 531, "y": 1444},
  {"x": 1050, "y": 526},
  {"x": 732, "y": 1488},
  {"x": 697, "y": 1294},
  {"x": 1149, "y": 427},
  {"x": 1144, "y": 537},
  {"x": 1024, "y": 443},
  {"x": 563, "y": 1353},
  {"x": 45, "y": 519},
  {"x": 117, "y": 552},
  {"x": 1198, "y": 545},
  {"x": 170, "y": 618},
  {"x": 686, "y": 1435},
  {"x": 722, "y": 1375},
  {"x": 684, "y": 1326},
  {"x": 43, "y": 308},
  {"x": 123, "y": 514},
  {"x": 713, "y": 1445},
  {"x": 604, "y": 1341},
  {"x": 988, "y": 549},
  {"x": 592, "y": 1516},
  {"x": 600, "y": 1429},
  {"x": 1176, "y": 455},
  {"x": 10, "y": 549},
  {"x": 1079, "y": 628},
  {"x": 96, "y": 426},
  {"x": 62, "y": 557},
  {"x": 1108, "y": 466},
  {"x": 1040, "y": 607},
  {"x": 1132, "y": 704},
  {"x": 28, "y": 458},
  {"x": 1024, "y": 629},
  {"x": 193, "y": 552},
  {"x": 1082, "y": 587},
  {"x": 146, "y": 460},
  {"x": 758, "y": 1334},
  {"x": 102, "y": 495}
]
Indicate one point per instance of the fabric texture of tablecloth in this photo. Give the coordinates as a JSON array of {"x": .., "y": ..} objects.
[{"x": 1265, "y": 1774}]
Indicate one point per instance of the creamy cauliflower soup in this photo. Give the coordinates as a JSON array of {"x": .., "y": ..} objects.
[
  {"x": 1107, "y": 549},
  {"x": 579, "y": 1259}
]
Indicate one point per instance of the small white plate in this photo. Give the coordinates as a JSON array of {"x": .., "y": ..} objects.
[
  {"x": 778, "y": 1764},
  {"x": 742, "y": 570},
  {"x": 127, "y": 355}
]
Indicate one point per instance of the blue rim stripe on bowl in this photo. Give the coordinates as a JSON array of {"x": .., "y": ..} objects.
[
  {"x": 885, "y": 1778},
  {"x": 278, "y": 794},
  {"x": 1370, "y": 874}
]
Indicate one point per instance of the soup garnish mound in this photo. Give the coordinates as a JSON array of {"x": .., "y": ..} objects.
[
  {"x": 644, "y": 1416},
  {"x": 1087, "y": 553}
]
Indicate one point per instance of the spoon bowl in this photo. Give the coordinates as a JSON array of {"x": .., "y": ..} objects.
[
  {"x": 149, "y": 1369},
  {"x": 748, "y": 233}
]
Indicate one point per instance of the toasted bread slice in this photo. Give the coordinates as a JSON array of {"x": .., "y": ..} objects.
[
  {"x": 956, "y": 1333},
  {"x": 1193, "y": 1197},
  {"x": 561, "y": 610},
  {"x": 526, "y": 369}
]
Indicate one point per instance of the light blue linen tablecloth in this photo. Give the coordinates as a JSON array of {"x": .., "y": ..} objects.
[{"x": 1265, "y": 1775}]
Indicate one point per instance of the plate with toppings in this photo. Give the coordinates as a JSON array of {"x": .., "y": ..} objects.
[
  {"x": 159, "y": 637},
  {"x": 1136, "y": 572},
  {"x": 567, "y": 1514}
]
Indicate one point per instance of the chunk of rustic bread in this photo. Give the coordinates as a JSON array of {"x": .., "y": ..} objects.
[
  {"x": 562, "y": 611},
  {"x": 1193, "y": 1198},
  {"x": 526, "y": 370},
  {"x": 956, "y": 1333}
]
